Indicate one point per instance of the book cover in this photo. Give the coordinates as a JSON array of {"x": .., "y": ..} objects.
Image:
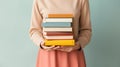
[
  {"x": 56, "y": 24},
  {"x": 59, "y": 37},
  {"x": 57, "y": 20},
  {"x": 60, "y": 42},
  {"x": 57, "y": 33},
  {"x": 60, "y": 15},
  {"x": 58, "y": 29}
]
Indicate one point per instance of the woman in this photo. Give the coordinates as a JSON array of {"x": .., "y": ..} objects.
[{"x": 56, "y": 56}]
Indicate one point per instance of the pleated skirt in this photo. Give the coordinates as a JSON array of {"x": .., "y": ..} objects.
[{"x": 55, "y": 58}]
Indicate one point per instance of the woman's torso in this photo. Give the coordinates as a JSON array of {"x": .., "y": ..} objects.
[{"x": 62, "y": 7}]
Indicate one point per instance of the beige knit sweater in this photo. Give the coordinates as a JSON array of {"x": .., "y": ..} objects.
[{"x": 81, "y": 21}]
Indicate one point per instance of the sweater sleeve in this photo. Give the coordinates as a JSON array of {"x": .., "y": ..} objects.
[
  {"x": 85, "y": 30},
  {"x": 35, "y": 30}
]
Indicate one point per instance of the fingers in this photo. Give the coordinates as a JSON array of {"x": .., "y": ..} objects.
[
  {"x": 66, "y": 49},
  {"x": 61, "y": 48},
  {"x": 56, "y": 47},
  {"x": 46, "y": 47},
  {"x": 53, "y": 47}
]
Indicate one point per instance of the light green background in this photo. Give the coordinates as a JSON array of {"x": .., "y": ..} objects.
[{"x": 17, "y": 50}]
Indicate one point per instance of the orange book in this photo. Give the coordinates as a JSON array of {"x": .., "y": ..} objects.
[{"x": 60, "y": 15}]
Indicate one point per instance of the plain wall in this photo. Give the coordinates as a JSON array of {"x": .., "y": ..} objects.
[{"x": 17, "y": 50}]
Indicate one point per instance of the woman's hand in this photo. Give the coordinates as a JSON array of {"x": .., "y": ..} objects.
[
  {"x": 69, "y": 48},
  {"x": 48, "y": 47}
]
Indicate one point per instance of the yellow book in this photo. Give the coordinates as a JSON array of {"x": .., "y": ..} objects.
[
  {"x": 60, "y": 15},
  {"x": 60, "y": 42}
]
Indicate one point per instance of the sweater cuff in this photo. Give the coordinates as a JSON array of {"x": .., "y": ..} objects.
[
  {"x": 37, "y": 38},
  {"x": 79, "y": 45}
]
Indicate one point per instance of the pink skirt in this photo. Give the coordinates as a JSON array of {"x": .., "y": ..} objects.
[{"x": 57, "y": 58}]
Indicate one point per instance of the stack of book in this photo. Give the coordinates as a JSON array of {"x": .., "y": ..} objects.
[{"x": 58, "y": 29}]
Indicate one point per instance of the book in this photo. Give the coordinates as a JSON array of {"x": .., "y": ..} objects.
[
  {"x": 60, "y": 15},
  {"x": 58, "y": 29},
  {"x": 59, "y": 37},
  {"x": 57, "y": 20},
  {"x": 56, "y": 24},
  {"x": 57, "y": 33},
  {"x": 60, "y": 42}
]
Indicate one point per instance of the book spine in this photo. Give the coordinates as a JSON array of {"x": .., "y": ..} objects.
[
  {"x": 58, "y": 37},
  {"x": 57, "y": 20},
  {"x": 57, "y": 29},
  {"x": 60, "y": 15},
  {"x": 60, "y": 42},
  {"x": 56, "y": 24},
  {"x": 58, "y": 33}
]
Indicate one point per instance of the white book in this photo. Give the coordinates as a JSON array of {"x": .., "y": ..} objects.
[
  {"x": 58, "y": 37},
  {"x": 58, "y": 29},
  {"x": 57, "y": 20}
]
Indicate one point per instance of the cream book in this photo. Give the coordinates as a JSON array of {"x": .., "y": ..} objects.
[
  {"x": 60, "y": 42},
  {"x": 57, "y": 20},
  {"x": 58, "y": 37},
  {"x": 58, "y": 29}
]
